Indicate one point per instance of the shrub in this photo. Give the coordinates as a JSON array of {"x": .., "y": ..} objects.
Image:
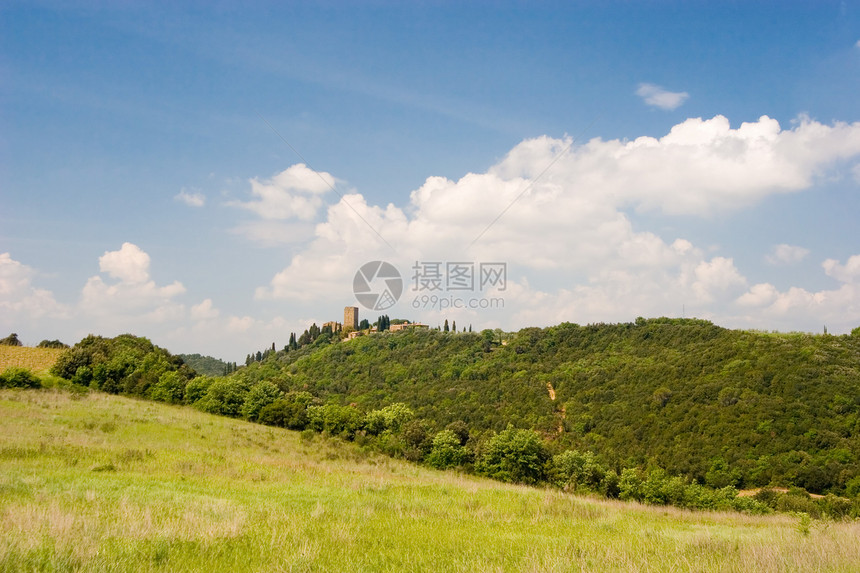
[
  {"x": 630, "y": 485},
  {"x": 15, "y": 377},
  {"x": 170, "y": 388},
  {"x": 83, "y": 376},
  {"x": 416, "y": 436},
  {"x": 767, "y": 496},
  {"x": 654, "y": 488},
  {"x": 572, "y": 469},
  {"x": 259, "y": 396},
  {"x": 461, "y": 430},
  {"x": 835, "y": 507},
  {"x": 515, "y": 456},
  {"x": 334, "y": 419},
  {"x": 388, "y": 419},
  {"x": 446, "y": 451},
  {"x": 609, "y": 485},
  {"x": 750, "y": 505},
  {"x": 224, "y": 396},
  {"x": 289, "y": 411},
  {"x": 197, "y": 388},
  {"x": 795, "y": 503}
]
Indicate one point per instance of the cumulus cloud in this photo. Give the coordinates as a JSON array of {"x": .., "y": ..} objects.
[
  {"x": 294, "y": 193},
  {"x": 132, "y": 294},
  {"x": 783, "y": 254},
  {"x": 800, "y": 309},
  {"x": 129, "y": 264},
  {"x": 193, "y": 199},
  {"x": 572, "y": 250},
  {"x": 20, "y": 300},
  {"x": 847, "y": 273},
  {"x": 204, "y": 311},
  {"x": 656, "y": 96},
  {"x": 285, "y": 206}
]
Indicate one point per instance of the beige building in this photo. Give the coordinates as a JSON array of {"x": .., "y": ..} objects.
[{"x": 405, "y": 325}]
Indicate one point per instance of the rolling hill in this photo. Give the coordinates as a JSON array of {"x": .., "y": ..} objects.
[{"x": 95, "y": 482}]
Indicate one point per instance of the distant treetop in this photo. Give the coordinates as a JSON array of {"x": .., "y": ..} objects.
[{"x": 11, "y": 340}]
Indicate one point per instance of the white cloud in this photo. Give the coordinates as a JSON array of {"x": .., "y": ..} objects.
[
  {"x": 133, "y": 295},
  {"x": 857, "y": 44},
  {"x": 855, "y": 172},
  {"x": 716, "y": 276},
  {"x": 572, "y": 252},
  {"x": 294, "y": 193},
  {"x": 129, "y": 264},
  {"x": 846, "y": 273},
  {"x": 191, "y": 199},
  {"x": 656, "y": 96},
  {"x": 20, "y": 300},
  {"x": 204, "y": 311},
  {"x": 838, "y": 309},
  {"x": 783, "y": 254}
]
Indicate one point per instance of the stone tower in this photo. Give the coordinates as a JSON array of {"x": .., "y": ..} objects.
[{"x": 350, "y": 317}]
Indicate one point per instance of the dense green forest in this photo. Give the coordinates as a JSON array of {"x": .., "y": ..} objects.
[
  {"x": 660, "y": 410},
  {"x": 720, "y": 406}
]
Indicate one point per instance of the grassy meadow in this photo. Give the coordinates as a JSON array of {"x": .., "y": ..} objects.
[{"x": 106, "y": 483}]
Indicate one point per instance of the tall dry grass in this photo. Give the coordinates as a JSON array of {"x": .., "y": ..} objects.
[{"x": 104, "y": 483}]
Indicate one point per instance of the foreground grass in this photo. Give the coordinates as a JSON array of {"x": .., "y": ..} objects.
[{"x": 104, "y": 483}]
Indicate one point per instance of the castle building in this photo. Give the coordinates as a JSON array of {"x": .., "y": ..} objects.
[{"x": 350, "y": 317}]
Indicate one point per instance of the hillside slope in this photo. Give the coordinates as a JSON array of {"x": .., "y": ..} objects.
[{"x": 105, "y": 483}]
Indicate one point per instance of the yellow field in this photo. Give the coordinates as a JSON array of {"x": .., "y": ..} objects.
[{"x": 37, "y": 360}]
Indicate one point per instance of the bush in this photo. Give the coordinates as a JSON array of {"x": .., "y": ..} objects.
[
  {"x": 170, "y": 388},
  {"x": 794, "y": 503},
  {"x": 630, "y": 485},
  {"x": 446, "y": 451},
  {"x": 515, "y": 456},
  {"x": 572, "y": 470},
  {"x": 609, "y": 485},
  {"x": 225, "y": 396},
  {"x": 287, "y": 412},
  {"x": 15, "y": 377},
  {"x": 197, "y": 388},
  {"x": 835, "y": 507},
  {"x": 261, "y": 395},
  {"x": 388, "y": 419},
  {"x": 336, "y": 420}
]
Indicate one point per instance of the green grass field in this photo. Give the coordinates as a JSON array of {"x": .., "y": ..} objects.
[
  {"x": 37, "y": 360},
  {"x": 105, "y": 483}
]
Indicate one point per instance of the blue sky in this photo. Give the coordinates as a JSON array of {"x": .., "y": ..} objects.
[{"x": 654, "y": 159}]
